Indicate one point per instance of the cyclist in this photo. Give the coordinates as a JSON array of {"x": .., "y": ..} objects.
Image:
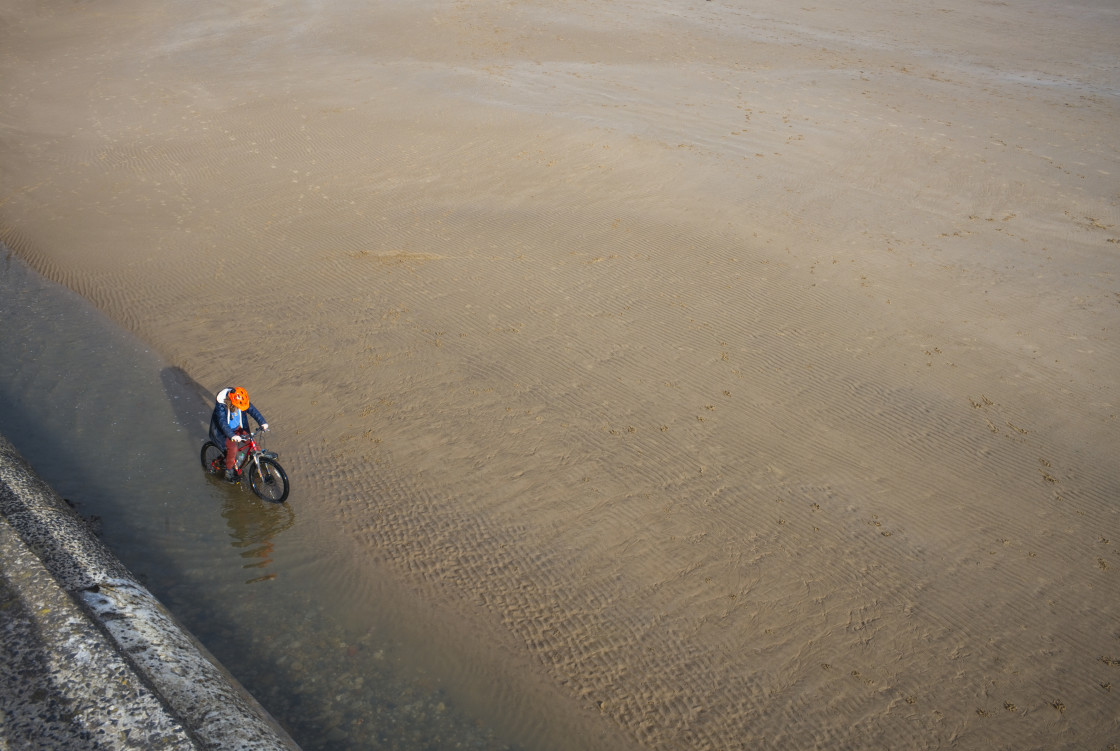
[{"x": 229, "y": 425}]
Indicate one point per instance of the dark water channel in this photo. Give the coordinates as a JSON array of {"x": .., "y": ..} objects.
[{"x": 117, "y": 431}]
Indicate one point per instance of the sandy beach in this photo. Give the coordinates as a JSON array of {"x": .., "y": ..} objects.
[{"x": 734, "y": 375}]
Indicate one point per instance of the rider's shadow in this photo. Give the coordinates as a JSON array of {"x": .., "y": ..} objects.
[{"x": 191, "y": 403}]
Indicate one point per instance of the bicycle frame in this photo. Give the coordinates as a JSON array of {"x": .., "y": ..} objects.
[{"x": 252, "y": 451}]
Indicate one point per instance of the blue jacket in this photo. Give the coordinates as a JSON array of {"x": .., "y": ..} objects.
[{"x": 220, "y": 430}]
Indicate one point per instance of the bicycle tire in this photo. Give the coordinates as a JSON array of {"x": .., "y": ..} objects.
[
  {"x": 270, "y": 483},
  {"x": 213, "y": 458}
]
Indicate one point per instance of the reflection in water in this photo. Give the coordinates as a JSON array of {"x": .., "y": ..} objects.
[{"x": 254, "y": 525}]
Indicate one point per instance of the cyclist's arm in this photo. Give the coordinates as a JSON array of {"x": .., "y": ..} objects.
[{"x": 256, "y": 415}]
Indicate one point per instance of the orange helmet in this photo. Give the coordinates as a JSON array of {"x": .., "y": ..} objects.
[{"x": 239, "y": 397}]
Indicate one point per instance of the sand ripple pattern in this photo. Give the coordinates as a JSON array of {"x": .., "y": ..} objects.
[{"x": 679, "y": 522}]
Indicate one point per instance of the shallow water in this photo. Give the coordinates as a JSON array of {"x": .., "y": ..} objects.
[{"x": 116, "y": 431}]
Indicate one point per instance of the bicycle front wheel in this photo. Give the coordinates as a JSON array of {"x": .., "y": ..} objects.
[
  {"x": 213, "y": 458},
  {"x": 269, "y": 482}
]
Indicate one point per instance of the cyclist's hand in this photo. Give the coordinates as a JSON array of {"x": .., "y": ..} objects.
[
  {"x": 238, "y": 439},
  {"x": 264, "y": 426}
]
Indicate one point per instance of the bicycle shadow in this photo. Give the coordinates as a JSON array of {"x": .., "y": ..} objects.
[{"x": 192, "y": 403}]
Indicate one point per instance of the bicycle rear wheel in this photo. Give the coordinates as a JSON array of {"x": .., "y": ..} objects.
[
  {"x": 270, "y": 482},
  {"x": 213, "y": 458}
]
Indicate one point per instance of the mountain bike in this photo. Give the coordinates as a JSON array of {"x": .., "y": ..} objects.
[{"x": 267, "y": 478}]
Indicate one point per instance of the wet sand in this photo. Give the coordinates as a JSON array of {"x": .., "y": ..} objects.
[{"x": 732, "y": 376}]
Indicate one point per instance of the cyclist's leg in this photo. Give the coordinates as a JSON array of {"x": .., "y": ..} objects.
[{"x": 231, "y": 453}]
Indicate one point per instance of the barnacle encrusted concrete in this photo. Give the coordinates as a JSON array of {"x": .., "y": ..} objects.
[{"x": 91, "y": 659}]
